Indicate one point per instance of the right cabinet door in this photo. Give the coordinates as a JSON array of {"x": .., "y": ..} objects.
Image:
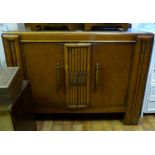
[{"x": 111, "y": 65}]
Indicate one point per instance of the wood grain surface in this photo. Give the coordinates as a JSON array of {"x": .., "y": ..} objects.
[{"x": 147, "y": 123}]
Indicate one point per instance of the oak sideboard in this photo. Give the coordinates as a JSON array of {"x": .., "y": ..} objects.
[{"x": 83, "y": 72}]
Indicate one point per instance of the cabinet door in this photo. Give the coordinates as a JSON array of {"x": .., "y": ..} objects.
[
  {"x": 77, "y": 70},
  {"x": 44, "y": 63},
  {"x": 110, "y": 74}
]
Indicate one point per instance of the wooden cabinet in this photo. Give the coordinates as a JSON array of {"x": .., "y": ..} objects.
[
  {"x": 83, "y": 72},
  {"x": 18, "y": 115}
]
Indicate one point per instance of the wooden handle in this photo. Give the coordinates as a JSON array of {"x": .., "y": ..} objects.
[
  {"x": 96, "y": 75},
  {"x": 58, "y": 77}
]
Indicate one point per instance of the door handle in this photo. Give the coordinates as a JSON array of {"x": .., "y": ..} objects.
[
  {"x": 96, "y": 75},
  {"x": 58, "y": 76}
]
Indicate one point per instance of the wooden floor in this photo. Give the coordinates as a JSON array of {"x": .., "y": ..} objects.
[{"x": 147, "y": 123}]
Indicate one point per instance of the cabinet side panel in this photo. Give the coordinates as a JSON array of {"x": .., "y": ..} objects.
[
  {"x": 138, "y": 78},
  {"x": 13, "y": 53}
]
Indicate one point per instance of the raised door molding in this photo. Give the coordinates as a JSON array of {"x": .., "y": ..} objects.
[{"x": 77, "y": 69}]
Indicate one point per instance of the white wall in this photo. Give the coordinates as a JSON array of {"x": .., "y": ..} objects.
[{"x": 143, "y": 26}]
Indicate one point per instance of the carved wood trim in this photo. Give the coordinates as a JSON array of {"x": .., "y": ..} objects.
[
  {"x": 77, "y": 69},
  {"x": 13, "y": 51},
  {"x": 140, "y": 63}
]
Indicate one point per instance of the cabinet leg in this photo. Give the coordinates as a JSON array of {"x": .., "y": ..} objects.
[{"x": 128, "y": 120}]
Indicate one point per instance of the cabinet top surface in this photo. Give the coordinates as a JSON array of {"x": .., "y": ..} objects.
[
  {"x": 129, "y": 32},
  {"x": 74, "y": 36}
]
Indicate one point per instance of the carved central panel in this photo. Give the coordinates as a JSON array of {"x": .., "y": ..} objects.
[
  {"x": 77, "y": 69},
  {"x": 78, "y": 78}
]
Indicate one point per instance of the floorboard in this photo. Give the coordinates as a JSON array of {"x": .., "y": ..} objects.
[{"x": 91, "y": 123}]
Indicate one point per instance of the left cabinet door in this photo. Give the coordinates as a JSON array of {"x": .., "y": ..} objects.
[{"x": 44, "y": 67}]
